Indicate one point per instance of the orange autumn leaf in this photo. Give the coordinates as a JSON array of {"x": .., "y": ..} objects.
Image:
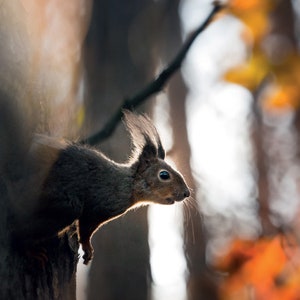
[
  {"x": 249, "y": 74},
  {"x": 240, "y": 251},
  {"x": 245, "y": 6},
  {"x": 254, "y": 14},
  {"x": 291, "y": 287},
  {"x": 262, "y": 269},
  {"x": 258, "y": 24},
  {"x": 281, "y": 98},
  {"x": 284, "y": 94},
  {"x": 266, "y": 273}
]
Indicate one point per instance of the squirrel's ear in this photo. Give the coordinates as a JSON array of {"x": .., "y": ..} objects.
[
  {"x": 161, "y": 151},
  {"x": 147, "y": 154},
  {"x": 144, "y": 136}
]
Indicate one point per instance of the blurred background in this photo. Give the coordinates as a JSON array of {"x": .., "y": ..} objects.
[{"x": 229, "y": 120}]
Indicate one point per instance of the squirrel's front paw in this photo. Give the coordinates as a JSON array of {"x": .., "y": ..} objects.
[{"x": 88, "y": 252}]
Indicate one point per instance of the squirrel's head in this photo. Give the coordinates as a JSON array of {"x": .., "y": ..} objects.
[{"x": 154, "y": 179}]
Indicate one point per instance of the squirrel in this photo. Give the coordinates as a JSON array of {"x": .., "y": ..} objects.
[{"x": 79, "y": 183}]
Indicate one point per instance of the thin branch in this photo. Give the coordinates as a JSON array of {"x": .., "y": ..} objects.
[{"x": 153, "y": 87}]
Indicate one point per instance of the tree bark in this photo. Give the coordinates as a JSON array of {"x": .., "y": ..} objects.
[
  {"x": 120, "y": 268},
  {"x": 45, "y": 270}
]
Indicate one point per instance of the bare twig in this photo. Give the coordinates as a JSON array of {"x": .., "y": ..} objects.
[{"x": 153, "y": 87}]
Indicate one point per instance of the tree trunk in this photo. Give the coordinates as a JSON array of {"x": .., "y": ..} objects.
[
  {"x": 24, "y": 276},
  {"x": 45, "y": 270},
  {"x": 120, "y": 268}
]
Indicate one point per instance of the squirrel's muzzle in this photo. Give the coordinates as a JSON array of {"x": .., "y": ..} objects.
[
  {"x": 186, "y": 193},
  {"x": 180, "y": 196}
]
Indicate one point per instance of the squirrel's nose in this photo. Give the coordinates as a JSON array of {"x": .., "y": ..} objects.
[{"x": 186, "y": 193}]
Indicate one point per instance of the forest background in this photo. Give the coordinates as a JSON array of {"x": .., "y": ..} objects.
[{"x": 229, "y": 120}]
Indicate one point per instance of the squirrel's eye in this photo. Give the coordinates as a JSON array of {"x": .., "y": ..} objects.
[{"x": 164, "y": 175}]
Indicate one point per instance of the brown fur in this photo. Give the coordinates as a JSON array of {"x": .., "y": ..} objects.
[{"x": 82, "y": 184}]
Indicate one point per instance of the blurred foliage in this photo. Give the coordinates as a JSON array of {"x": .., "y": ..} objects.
[
  {"x": 264, "y": 269},
  {"x": 276, "y": 61},
  {"x": 267, "y": 267}
]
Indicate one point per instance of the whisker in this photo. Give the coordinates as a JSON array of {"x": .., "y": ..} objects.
[
  {"x": 189, "y": 206},
  {"x": 192, "y": 202}
]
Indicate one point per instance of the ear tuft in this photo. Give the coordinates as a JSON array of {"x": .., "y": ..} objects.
[{"x": 144, "y": 135}]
